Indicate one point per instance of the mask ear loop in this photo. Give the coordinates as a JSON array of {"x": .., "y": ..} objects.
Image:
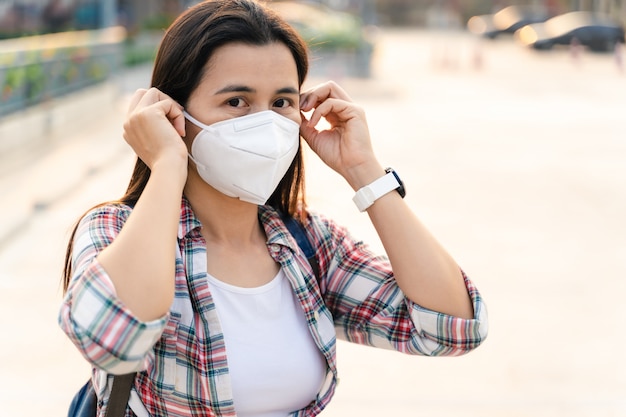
[
  {"x": 195, "y": 121},
  {"x": 201, "y": 126}
]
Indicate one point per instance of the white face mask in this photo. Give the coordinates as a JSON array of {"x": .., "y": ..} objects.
[{"x": 246, "y": 157}]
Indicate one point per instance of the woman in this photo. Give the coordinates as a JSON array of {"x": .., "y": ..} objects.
[{"x": 192, "y": 279}]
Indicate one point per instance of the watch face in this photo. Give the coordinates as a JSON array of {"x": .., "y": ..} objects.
[{"x": 401, "y": 190}]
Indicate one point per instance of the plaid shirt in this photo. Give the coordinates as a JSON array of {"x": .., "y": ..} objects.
[{"x": 181, "y": 358}]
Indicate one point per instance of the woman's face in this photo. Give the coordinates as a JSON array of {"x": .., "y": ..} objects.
[{"x": 241, "y": 79}]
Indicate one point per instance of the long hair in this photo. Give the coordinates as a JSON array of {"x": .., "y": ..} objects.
[{"x": 187, "y": 46}]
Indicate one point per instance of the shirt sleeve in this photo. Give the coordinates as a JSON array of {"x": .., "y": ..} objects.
[
  {"x": 369, "y": 307},
  {"x": 103, "y": 329}
]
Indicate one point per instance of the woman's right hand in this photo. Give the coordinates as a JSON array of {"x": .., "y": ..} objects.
[
  {"x": 141, "y": 259},
  {"x": 154, "y": 128}
]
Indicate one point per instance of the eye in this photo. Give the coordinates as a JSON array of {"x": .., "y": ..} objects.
[
  {"x": 282, "y": 103},
  {"x": 235, "y": 102}
]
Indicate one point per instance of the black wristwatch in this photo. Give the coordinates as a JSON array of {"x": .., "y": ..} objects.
[{"x": 401, "y": 190}]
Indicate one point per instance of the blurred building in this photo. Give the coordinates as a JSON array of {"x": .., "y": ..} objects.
[
  {"x": 31, "y": 17},
  {"x": 28, "y": 17}
]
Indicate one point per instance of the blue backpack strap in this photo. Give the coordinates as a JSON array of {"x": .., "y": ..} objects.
[
  {"x": 85, "y": 401},
  {"x": 297, "y": 231}
]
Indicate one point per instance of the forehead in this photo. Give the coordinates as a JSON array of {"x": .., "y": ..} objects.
[{"x": 256, "y": 65}]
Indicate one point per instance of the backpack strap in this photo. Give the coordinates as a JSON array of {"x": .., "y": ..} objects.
[
  {"x": 299, "y": 233},
  {"x": 120, "y": 393}
]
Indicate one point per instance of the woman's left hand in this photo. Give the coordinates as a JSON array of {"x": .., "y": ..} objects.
[
  {"x": 425, "y": 272},
  {"x": 345, "y": 146}
]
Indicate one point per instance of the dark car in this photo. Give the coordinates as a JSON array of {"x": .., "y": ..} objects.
[
  {"x": 506, "y": 21},
  {"x": 597, "y": 32}
]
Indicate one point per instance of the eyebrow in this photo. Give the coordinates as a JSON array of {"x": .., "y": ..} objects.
[
  {"x": 246, "y": 89},
  {"x": 287, "y": 90}
]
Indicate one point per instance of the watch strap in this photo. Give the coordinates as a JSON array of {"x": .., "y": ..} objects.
[{"x": 366, "y": 196}]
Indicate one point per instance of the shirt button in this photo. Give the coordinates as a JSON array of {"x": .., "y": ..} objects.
[
  {"x": 316, "y": 315},
  {"x": 275, "y": 249}
]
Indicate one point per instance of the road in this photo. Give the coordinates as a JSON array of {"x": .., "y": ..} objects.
[{"x": 515, "y": 160}]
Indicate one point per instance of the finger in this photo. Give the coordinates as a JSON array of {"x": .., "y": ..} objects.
[
  {"x": 311, "y": 98},
  {"x": 136, "y": 98},
  {"x": 335, "y": 91},
  {"x": 155, "y": 95},
  {"x": 177, "y": 118},
  {"x": 173, "y": 112},
  {"x": 166, "y": 105},
  {"x": 332, "y": 110},
  {"x": 306, "y": 130}
]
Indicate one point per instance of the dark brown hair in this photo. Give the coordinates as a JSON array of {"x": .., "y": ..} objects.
[{"x": 186, "y": 47}]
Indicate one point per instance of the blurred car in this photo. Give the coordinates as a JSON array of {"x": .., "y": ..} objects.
[
  {"x": 506, "y": 21},
  {"x": 595, "y": 31}
]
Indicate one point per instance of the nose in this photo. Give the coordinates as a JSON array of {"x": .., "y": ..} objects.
[{"x": 259, "y": 108}]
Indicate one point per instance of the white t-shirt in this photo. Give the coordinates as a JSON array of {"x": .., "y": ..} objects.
[{"x": 274, "y": 364}]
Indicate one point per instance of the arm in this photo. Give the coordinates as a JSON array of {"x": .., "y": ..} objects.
[
  {"x": 141, "y": 260},
  {"x": 368, "y": 307},
  {"x": 103, "y": 329},
  {"x": 423, "y": 270}
]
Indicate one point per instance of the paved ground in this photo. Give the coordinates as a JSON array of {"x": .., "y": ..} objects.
[{"x": 515, "y": 160}]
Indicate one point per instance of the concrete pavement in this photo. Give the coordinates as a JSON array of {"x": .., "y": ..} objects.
[{"x": 516, "y": 161}]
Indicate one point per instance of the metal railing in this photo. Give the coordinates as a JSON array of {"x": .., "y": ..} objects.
[{"x": 39, "y": 68}]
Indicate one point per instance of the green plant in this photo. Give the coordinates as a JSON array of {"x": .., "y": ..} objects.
[
  {"x": 35, "y": 81},
  {"x": 13, "y": 80},
  {"x": 135, "y": 55},
  {"x": 340, "y": 32},
  {"x": 157, "y": 22}
]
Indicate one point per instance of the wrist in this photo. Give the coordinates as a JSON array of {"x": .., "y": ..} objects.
[
  {"x": 172, "y": 167},
  {"x": 366, "y": 196},
  {"x": 362, "y": 175}
]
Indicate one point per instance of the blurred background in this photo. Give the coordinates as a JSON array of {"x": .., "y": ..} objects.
[
  {"x": 52, "y": 47},
  {"x": 505, "y": 119}
]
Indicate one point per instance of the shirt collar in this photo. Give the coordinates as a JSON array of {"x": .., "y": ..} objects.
[
  {"x": 275, "y": 229},
  {"x": 188, "y": 220}
]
